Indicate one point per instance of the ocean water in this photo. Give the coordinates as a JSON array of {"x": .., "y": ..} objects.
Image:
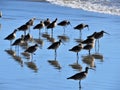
[
  {"x": 101, "y": 6},
  {"x": 46, "y": 72}
]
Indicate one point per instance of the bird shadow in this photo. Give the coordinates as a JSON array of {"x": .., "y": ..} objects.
[
  {"x": 89, "y": 60},
  {"x": 98, "y": 56},
  {"x": 76, "y": 66},
  {"x": 64, "y": 38},
  {"x": 32, "y": 65},
  {"x": 55, "y": 64}
]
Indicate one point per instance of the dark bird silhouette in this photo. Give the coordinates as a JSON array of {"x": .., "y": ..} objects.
[
  {"x": 11, "y": 36},
  {"x": 31, "y": 50},
  {"x": 24, "y": 28},
  {"x": 39, "y": 27},
  {"x": 30, "y": 22},
  {"x": 17, "y": 42},
  {"x": 64, "y": 23},
  {"x": 76, "y": 49},
  {"x": 46, "y": 23},
  {"x": 88, "y": 47},
  {"x": 54, "y": 46},
  {"x": 52, "y": 25},
  {"x": 88, "y": 40},
  {"x": 80, "y": 76},
  {"x": 80, "y": 27},
  {"x": 97, "y": 36}
]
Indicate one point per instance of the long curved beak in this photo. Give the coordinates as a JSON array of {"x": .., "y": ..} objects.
[
  {"x": 92, "y": 69},
  {"x": 106, "y": 33}
]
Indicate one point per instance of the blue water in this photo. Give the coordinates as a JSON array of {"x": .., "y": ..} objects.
[
  {"x": 51, "y": 74},
  {"x": 101, "y": 6}
]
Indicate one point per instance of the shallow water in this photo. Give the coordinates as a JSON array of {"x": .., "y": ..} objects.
[{"x": 51, "y": 74}]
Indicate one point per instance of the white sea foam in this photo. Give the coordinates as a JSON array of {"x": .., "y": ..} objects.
[{"x": 101, "y": 6}]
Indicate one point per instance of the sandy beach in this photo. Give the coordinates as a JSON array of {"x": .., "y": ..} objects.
[{"x": 51, "y": 72}]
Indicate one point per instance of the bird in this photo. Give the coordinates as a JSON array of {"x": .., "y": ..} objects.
[
  {"x": 52, "y": 25},
  {"x": 30, "y": 22},
  {"x": 77, "y": 49},
  {"x": 31, "y": 50},
  {"x": 46, "y": 23},
  {"x": 92, "y": 35},
  {"x": 18, "y": 41},
  {"x": 27, "y": 37},
  {"x": 11, "y": 36},
  {"x": 88, "y": 47},
  {"x": 80, "y": 27},
  {"x": 89, "y": 39},
  {"x": 97, "y": 36},
  {"x": 24, "y": 28},
  {"x": 64, "y": 23},
  {"x": 54, "y": 46},
  {"x": 80, "y": 76},
  {"x": 39, "y": 27}
]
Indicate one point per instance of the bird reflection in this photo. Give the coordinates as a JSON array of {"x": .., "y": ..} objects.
[
  {"x": 78, "y": 40},
  {"x": 55, "y": 64},
  {"x": 89, "y": 60},
  {"x": 76, "y": 66},
  {"x": 18, "y": 59},
  {"x": 10, "y": 52},
  {"x": 39, "y": 41},
  {"x": 64, "y": 38},
  {"x": 98, "y": 56},
  {"x": 32, "y": 66},
  {"x": 26, "y": 55},
  {"x": 48, "y": 37}
]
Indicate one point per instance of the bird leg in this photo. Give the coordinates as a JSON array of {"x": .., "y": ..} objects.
[
  {"x": 31, "y": 56},
  {"x": 55, "y": 54},
  {"x": 64, "y": 31},
  {"x": 98, "y": 45},
  {"x": 89, "y": 51},
  {"x": 10, "y": 44},
  {"x": 52, "y": 32},
  {"x": 80, "y": 34},
  {"x": 95, "y": 45},
  {"x": 77, "y": 56},
  {"x": 39, "y": 33},
  {"x": 80, "y": 84}
]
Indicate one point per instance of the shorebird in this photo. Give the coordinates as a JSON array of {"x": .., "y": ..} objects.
[
  {"x": 52, "y": 25},
  {"x": 88, "y": 40},
  {"x": 11, "y": 36},
  {"x": 0, "y": 14},
  {"x": 64, "y": 23},
  {"x": 46, "y": 23},
  {"x": 24, "y": 28},
  {"x": 18, "y": 41},
  {"x": 30, "y": 22},
  {"x": 31, "y": 50},
  {"x": 80, "y": 27},
  {"x": 39, "y": 27},
  {"x": 76, "y": 49},
  {"x": 99, "y": 35},
  {"x": 92, "y": 35},
  {"x": 27, "y": 37},
  {"x": 80, "y": 76},
  {"x": 88, "y": 47},
  {"x": 54, "y": 46}
]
